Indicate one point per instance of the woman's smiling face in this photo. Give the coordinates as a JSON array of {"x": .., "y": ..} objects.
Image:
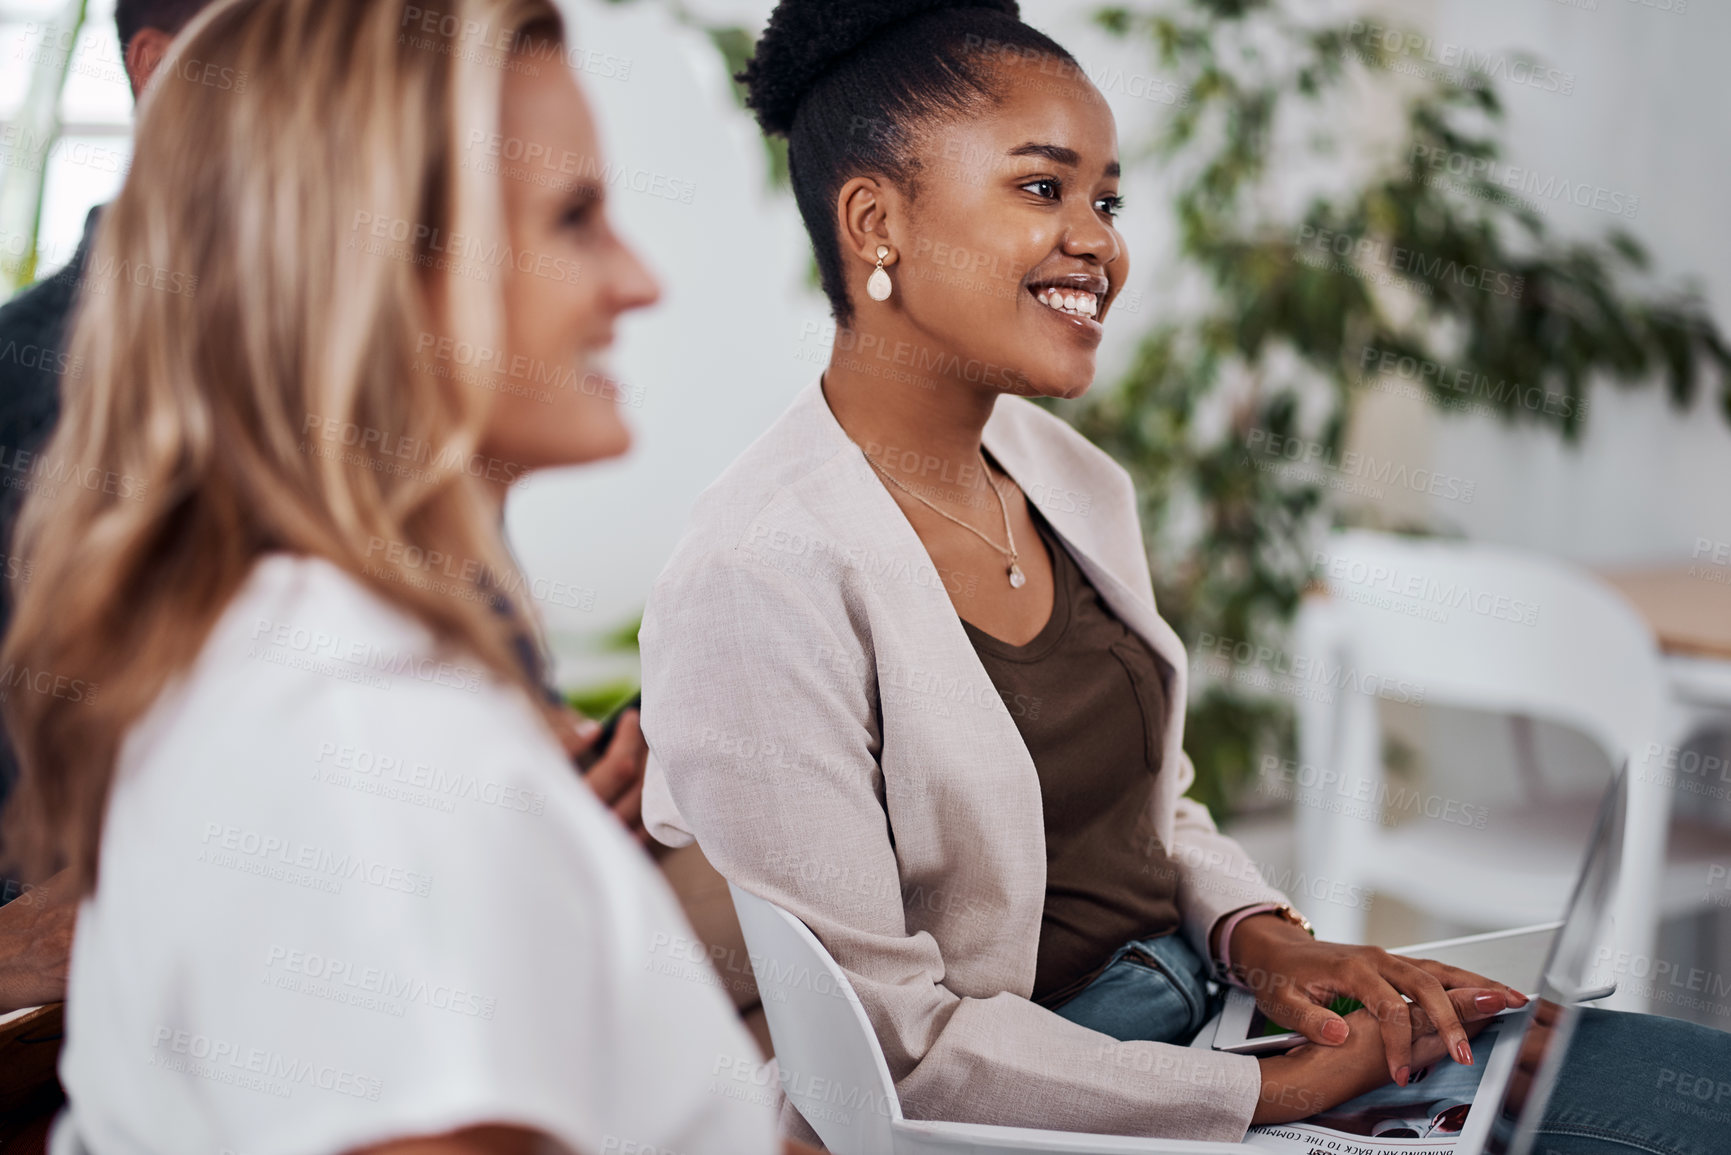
[{"x": 1007, "y": 252}]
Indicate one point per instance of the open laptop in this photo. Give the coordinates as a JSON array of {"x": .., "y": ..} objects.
[
  {"x": 1525, "y": 1073},
  {"x": 1525, "y": 1047}
]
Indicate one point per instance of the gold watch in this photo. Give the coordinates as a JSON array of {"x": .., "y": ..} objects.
[{"x": 1290, "y": 915}]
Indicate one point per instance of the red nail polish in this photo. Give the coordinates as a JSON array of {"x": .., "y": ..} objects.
[{"x": 1402, "y": 1075}]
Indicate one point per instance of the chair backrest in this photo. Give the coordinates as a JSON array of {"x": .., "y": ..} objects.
[
  {"x": 831, "y": 1066},
  {"x": 1488, "y": 628}
]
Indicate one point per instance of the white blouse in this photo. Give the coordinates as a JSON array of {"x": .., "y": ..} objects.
[{"x": 352, "y": 890}]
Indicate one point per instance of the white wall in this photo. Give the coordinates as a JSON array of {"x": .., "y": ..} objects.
[
  {"x": 716, "y": 361},
  {"x": 1648, "y": 115}
]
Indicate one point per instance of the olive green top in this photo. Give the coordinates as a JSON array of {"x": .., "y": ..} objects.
[{"x": 1089, "y": 697}]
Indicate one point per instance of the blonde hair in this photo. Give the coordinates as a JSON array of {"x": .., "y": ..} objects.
[{"x": 231, "y": 301}]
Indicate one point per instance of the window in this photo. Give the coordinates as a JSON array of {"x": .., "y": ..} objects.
[{"x": 88, "y": 158}]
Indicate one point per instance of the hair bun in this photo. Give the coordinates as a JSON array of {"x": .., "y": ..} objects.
[{"x": 806, "y": 37}]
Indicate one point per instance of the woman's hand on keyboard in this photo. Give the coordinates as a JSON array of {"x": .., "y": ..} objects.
[
  {"x": 1312, "y": 1078},
  {"x": 1295, "y": 977}
]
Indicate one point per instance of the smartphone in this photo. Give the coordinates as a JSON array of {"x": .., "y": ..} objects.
[
  {"x": 1245, "y": 1030},
  {"x": 608, "y": 727}
]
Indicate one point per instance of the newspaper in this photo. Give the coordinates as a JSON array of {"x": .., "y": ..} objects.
[{"x": 1428, "y": 1114}]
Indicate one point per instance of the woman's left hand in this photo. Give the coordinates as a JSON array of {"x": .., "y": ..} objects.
[
  {"x": 1294, "y": 977},
  {"x": 617, "y": 776}
]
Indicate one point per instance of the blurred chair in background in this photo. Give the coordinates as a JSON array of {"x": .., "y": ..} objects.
[{"x": 1479, "y": 628}]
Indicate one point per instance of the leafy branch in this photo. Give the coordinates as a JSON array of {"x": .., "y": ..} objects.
[{"x": 1432, "y": 264}]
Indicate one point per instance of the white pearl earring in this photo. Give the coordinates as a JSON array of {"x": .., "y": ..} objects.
[{"x": 878, "y": 286}]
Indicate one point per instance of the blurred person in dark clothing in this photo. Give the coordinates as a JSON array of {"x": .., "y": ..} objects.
[{"x": 36, "y": 934}]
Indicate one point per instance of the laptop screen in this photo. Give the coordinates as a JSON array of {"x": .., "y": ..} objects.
[{"x": 1566, "y": 980}]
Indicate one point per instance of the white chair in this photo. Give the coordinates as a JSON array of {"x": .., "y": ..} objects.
[
  {"x": 833, "y": 1070},
  {"x": 1522, "y": 636}
]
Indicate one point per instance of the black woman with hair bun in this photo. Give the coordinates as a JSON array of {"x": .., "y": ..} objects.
[{"x": 904, "y": 675}]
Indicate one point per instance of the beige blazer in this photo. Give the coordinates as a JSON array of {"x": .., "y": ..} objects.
[{"x": 819, "y": 722}]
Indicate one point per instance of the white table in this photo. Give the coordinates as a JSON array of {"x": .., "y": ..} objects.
[
  {"x": 1689, "y": 610},
  {"x": 1690, "y": 614}
]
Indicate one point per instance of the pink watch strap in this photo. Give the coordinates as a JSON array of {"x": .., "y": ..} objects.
[{"x": 1232, "y": 921}]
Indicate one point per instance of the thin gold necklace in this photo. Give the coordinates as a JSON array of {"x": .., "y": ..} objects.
[{"x": 1017, "y": 578}]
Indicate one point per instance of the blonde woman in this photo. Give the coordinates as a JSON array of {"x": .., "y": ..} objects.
[{"x": 343, "y": 890}]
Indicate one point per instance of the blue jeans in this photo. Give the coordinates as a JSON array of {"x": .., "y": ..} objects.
[
  {"x": 1630, "y": 1084},
  {"x": 1640, "y": 1083},
  {"x": 1154, "y": 989}
]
